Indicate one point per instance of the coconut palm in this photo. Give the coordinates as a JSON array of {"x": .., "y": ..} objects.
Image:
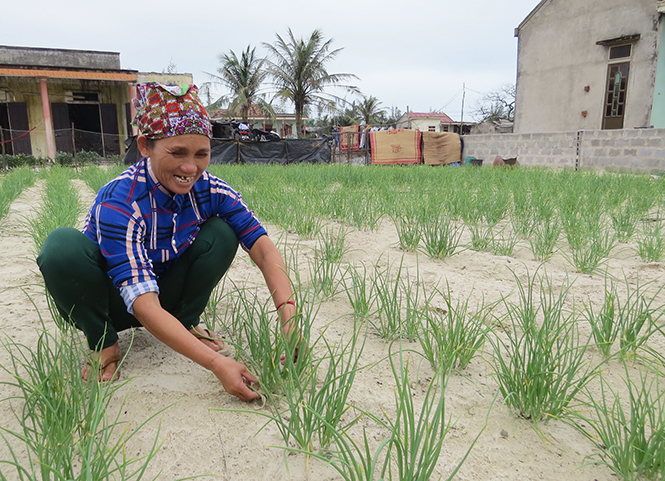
[
  {"x": 244, "y": 77},
  {"x": 368, "y": 110},
  {"x": 298, "y": 70}
]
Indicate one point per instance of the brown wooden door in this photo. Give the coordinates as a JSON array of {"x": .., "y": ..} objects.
[{"x": 615, "y": 95}]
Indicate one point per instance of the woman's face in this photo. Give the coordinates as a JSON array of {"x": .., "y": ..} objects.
[{"x": 178, "y": 161}]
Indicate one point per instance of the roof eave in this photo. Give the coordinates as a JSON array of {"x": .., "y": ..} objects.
[{"x": 528, "y": 17}]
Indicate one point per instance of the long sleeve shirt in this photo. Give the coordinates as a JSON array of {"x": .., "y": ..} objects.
[{"x": 142, "y": 229}]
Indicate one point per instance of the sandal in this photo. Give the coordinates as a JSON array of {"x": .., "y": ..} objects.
[
  {"x": 115, "y": 358},
  {"x": 225, "y": 350}
]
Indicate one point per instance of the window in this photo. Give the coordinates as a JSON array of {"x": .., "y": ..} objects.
[
  {"x": 82, "y": 97},
  {"x": 431, "y": 128},
  {"x": 621, "y": 51}
]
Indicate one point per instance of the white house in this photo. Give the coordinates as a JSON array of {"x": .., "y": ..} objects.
[
  {"x": 591, "y": 64},
  {"x": 430, "y": 122}
]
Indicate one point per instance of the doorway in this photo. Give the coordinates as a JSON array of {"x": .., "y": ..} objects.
[{"x": 615, "y": 95}]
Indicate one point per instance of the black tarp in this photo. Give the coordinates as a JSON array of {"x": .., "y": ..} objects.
[{"x": 287, "y": 151}]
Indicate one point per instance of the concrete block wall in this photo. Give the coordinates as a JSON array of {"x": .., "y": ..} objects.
[{"x": 638, "y": 150}]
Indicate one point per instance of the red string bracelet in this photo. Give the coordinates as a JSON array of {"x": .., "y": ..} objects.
[{"x": 284, "y": 303}]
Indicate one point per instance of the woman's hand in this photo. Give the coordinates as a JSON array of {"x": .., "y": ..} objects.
[
  {"x": 293, "y": 336},
  {"x": 235, "y": 378}
]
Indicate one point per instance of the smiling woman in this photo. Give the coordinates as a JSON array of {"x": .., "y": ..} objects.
[
  {"x": 156, "y": 242},
  {"x": 177, "y": 162}
]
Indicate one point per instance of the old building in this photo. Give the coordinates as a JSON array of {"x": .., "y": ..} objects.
[
  {"x": 64, "y": 100},
  {"x": 430, "y": 122},
  {"x": 591, "y": 64}
]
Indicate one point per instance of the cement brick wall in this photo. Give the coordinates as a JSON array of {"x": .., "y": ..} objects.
[{"x": 638, "y": 150}]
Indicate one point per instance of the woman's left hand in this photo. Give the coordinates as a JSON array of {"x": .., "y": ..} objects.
[{"x": 292, "y": 335}]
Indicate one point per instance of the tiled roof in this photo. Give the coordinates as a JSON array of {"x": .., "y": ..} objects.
[{"x": 430, "y": 115}]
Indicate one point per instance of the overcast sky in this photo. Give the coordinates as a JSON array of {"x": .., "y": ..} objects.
[{"x": 415, "y": 53}]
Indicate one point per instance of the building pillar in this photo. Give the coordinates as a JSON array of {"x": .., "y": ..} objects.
[
  {"x": 132, "y": 109},
  {"x": 48, "y": 124}
]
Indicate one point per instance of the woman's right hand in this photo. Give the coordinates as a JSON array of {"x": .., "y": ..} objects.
[{"x": 235, "y": 378}]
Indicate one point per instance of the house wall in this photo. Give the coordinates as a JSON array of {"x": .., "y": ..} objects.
[
  {"x": 20, "y": 89},
  {"x": 51, "y": 57},
  {"x": 638, "y": 150},
  {"x": 419, "y": 123},
  {"x": 558, "y": 57},
  {"x": 658, "y": 110}
]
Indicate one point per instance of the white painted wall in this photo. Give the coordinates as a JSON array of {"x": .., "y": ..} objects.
[{"x": 558, "y": 57}]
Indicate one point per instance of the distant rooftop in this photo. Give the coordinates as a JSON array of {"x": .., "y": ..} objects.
[
  {"x": 430, "y": 115},
  {"x": 59, "y": 58}
]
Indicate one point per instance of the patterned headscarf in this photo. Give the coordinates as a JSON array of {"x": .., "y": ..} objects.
[{"x": 169, "y": 110}]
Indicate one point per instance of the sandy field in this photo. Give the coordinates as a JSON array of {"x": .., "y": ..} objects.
[{"x": 198, "y": 440}]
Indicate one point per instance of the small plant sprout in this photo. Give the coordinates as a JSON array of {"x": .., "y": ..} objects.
[
  {"x": 627, "y": 432},
  {"x": 332, "y": 246},
  {"x": 604, "y": 326},
  {"x": 418, "y": 434},
  {"x": 544, "y": 365},
  {"x": 409, "y": 232},
  {"x": 637, "y": 318},
  {"x": 398, "y": 302},
  {"x": 451, "y": 337},
  {"x": 61, "y": 206},
  {"x": 64, "y": 423},
  {"x": 441, "y": 237},
  {"x": 359, "y": 292},
  {"x": 651, "y": 242},
  {"x": 325, "y": 276},
  {"x": 545, "y": 236},
  {"x": 587, "y": 255}
]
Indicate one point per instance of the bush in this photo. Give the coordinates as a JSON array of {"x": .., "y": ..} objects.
[
  {"x": 64, "y": 158},
  {"x": 19, "y": 160},
  {"x": 84, "y": 157}
]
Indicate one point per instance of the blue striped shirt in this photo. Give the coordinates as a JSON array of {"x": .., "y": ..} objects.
[{"x": 141, "y": 229}]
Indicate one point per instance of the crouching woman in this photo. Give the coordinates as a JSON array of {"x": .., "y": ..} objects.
[{"x": 157, "y": 240}]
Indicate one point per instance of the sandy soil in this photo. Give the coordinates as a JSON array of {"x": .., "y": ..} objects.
[{"x": 198, "y": 440}]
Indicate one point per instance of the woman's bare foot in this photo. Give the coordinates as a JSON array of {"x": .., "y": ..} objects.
[{"x": 108, "y": 360}]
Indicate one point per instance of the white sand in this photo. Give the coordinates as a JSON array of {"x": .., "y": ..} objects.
[{"x": 198, "y": 440}]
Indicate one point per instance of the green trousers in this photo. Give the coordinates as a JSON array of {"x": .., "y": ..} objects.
[{"x": 74, "y": 271}]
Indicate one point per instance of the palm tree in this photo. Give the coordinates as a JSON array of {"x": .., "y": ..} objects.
[
  {"x": 368, "y": 110},
  {"x": 298, "y": 69},
  {"x": 243, "y": 77}
]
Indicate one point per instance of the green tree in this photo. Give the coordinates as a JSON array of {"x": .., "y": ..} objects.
[
  {"x": 368, "y": 110},
  {"x": 298, "y": 70},
  {"x": 243, "y": 77}
]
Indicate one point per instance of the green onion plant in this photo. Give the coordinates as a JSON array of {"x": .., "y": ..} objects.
[
  {"x": 541, "y": 366},
  {"x": 451, "y": 337},
  {"x": 628, "y": 433}
]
